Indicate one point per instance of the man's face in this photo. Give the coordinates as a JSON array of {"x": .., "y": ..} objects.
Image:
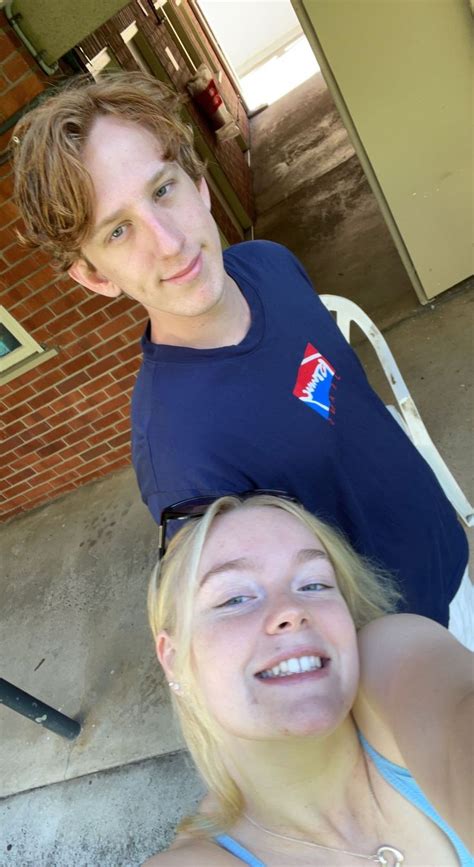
[{"x": 153, "y": 237}]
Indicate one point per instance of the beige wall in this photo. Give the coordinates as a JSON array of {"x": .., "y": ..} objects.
[{"x": 403, "y": 69}]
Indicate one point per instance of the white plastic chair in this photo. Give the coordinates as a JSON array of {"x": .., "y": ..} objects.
[{"x": 406, "y": 412}]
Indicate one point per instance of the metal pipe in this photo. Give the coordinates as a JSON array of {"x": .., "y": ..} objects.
[
  {"x": 37, "y": 711},
  {"x": 13, "y": 20}
]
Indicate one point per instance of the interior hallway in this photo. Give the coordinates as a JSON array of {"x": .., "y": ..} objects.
[{"x": 311, "y": 194}]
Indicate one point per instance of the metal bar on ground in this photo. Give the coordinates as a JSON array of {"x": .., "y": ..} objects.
[{"x": 37, "y": 711}]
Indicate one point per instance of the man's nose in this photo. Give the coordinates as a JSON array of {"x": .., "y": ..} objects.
[
  {"x": 287, "y": 615},
  {"x": 168, "y": 236}
]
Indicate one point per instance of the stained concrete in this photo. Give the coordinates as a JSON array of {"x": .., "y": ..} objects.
[
  {"x": 312, "y": 195},
  {"x": 113, "y": 819},
  {"x": 74, "y": 634}
]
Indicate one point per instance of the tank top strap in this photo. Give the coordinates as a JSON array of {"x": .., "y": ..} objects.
[
  {"x": 401, "y": 780},
  {"x": 238, "y": 850}
]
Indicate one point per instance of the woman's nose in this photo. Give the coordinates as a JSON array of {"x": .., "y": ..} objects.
[{"x": 287, "y": 616}]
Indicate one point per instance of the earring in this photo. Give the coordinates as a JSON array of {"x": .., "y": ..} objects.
[{"x": 176, "y": 687}]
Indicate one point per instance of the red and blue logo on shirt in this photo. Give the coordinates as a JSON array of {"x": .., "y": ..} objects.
[{"x": 314, "y": 381}]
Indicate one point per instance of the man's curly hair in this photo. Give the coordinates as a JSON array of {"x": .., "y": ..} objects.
[{"x": 53, "y": 189}]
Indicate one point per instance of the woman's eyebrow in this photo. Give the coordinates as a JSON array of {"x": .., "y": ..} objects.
[
  {"x": 307, "y": 554},
  {"x": 227, "y": 566}
]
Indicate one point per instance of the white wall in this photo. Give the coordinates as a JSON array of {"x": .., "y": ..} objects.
[{"x": 248, "y": 31}]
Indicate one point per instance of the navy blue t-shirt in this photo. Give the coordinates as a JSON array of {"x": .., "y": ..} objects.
[{"x": 290, "y": 408}]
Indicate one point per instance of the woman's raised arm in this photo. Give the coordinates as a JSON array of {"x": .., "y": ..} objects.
[{"x": 417, "y": 681}]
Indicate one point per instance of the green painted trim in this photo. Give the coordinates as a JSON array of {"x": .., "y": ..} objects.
[{"x": 24, "y": 366}]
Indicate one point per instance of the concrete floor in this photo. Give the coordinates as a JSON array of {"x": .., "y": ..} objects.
[
  {"x": 73, "y": 589},
  {"x": 312, "y": 196}
]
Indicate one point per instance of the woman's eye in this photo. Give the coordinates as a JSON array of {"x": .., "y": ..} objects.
[
  {"x": 315, "y": 585},
  {"x": 234, "y": 600}
]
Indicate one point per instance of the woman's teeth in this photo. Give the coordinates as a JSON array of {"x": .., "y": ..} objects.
[{"x": 295, "y": 665}]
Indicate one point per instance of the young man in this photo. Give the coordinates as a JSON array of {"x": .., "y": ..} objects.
[{"x": 246, "y": 381}]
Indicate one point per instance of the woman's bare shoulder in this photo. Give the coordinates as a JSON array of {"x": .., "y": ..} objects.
[{"x": 198, "y": 853}]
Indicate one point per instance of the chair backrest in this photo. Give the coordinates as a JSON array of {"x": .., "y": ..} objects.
[{"x": 405, "y": 412}]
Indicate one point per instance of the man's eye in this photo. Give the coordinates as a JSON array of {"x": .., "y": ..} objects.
[
  {"x": 161, "y": 191},
  {"x": 117, "y": 233}
]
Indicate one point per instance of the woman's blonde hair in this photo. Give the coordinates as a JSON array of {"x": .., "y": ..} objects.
[
  {"x": 369, "y": 593},
  {"x": 53, "y": 189}
]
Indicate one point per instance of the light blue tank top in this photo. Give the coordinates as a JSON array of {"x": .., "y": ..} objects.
[{"x": 401, "y": 780}]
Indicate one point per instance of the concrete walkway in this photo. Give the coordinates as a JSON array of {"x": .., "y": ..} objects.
[
  {"x": 312, "y": 196},
  {"x": 74, "y": 633}
]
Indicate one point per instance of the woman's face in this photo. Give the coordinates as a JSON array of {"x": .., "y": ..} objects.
[{"x": 274, "y": 646}]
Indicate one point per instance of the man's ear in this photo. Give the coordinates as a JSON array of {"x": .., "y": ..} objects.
[
  {"x": 166, "y": 652},
  {"x": 82, "y": 273},
  {"x": 204, "y": 193}
]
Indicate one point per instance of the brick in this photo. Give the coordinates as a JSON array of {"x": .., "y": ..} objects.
[
  {"x": 34, "y": 432},
  {"x": 97, "y": 384},
  {"x": 120, "y": 305},
  {"x": 15, "y": 414},
  {"x": 22, "y": 269},
  {"x": 101, "y": 366},
  {"x": 8, "y": 43},
  {"x": 92, "y": 466},
  {"x": 111, "y": 404},
  {"x": 104, "y": 422},
  {"x": 127, "y": 382},
  {"x": 23, "y": 394},
  {"x": 89, "y": 415},
  {"x": 78, "y": 363},
  {"x": 6, "y": 186},
  {"x": 73, "y": 382},
  {"x": 66, "y": 477},
  {"x": 15, "y": 67},
  {"x": 68, "y": 300},
  {"x": 37, "y": 493},
  {"x": 133, "y": 350},
  {"x": 69, "y": 453},
  {"x": 20, "y": 488},
  {"x": 39, "y": 317},
  {"x": 43, "y": 277},
  {"x": 109, "y": 350},
  {"x": 22, "y": 93},
  {"x": 14, "y": 253},
  {"x": 57, "y": 433},
  {"x": 45, "y": 295},
  {"x": 66, "y": 400},
  {"x": 45, "y": 398},
  {"x": 76, "y": 436},
  {"x": 50, "y": 448},
  {"x": 92, "y": 305},
  {"x": 114, "y": 327},
  {"x": 119, "y": 440},
  {"x": 67, "y": 320},
  {"x": 40, "y": 479},
  {"x": 85, "y": 326},
  {"x": 123, "y": 424},
  {"x": 68, "y": 465},
  {"x": 8, "y": 208},
  {"x": 94, "y": 452}
]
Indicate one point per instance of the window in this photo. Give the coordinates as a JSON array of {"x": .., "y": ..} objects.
[{"x": 18, "y": 350}]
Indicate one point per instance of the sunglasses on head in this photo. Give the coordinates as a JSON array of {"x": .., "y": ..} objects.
[{"x": 197, "y": 506}]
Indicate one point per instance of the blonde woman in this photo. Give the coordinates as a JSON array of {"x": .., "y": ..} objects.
[{"x": 302, "y": 702}]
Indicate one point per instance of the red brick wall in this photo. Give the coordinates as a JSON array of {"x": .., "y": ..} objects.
[{"x": 66, "y": 422}]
